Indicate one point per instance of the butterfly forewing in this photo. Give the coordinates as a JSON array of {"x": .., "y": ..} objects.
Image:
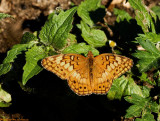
[
  {"x": 72, "y": 67},
  {"x": 106, "y": 68}
]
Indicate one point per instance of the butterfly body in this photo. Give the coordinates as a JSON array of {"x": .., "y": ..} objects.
[{"x": 87, "y": 75}]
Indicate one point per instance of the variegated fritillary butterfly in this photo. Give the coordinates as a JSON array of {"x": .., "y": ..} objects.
[{"x": 87, "y": 75}]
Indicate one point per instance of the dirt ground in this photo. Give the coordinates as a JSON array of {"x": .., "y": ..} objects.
[{"x": 30, "y": 15}]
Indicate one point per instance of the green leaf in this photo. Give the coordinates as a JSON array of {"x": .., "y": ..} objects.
[
  {"x": 5, "y": 98},
  {"x": 145, "y": 91},
  {"x": 3, "y": 15},
  {"x": 133, "y": 111},
  {"x": 143, "y": 16},
  {"x": 94, "y": 37},
  {"x": 4, "y": 104},
  {"x": 146, "y": 104},
  {"x": 57, "y": 28},
  {"x": 149, "y": 58},
  {"x": 153, "y": 37},
  {"x": 133, "y": 88},
  {"x": 16, "y": 50},
  {"x": 71, "y": 39},
  {"x": 11, "y": 55},
  {"x": 28, "y": 37},
  {"x": 123, "y": 86},
  {"x": 117, "y": 88},
  {"x": 136, "y": 99},
  {"x": 145, "y": 78},
  {"x": 156, "y": 10},
  {"x": 85, "y": 8},
  {"x": 121, "y": 15},
  {"x": 146, "y": 117},
  {"x": 5, "y": 68},
  {"x": 32, "y": 66},
  {"x": 80, "y": 48},
  {"x": 158, "y": 118},
  {"x": 154, "y": 107}
]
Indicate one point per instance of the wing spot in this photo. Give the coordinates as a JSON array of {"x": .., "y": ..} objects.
[
  {"x": 77, "y": 58},
  {"x": 125, "y": 69},
  {"x": 112, "y": 66},
  {"x": 67, "y": 65},
  {"x": 50, "y": 59},
  {"x": 49, "y": 68},
  {"x": 108, "y": 68},
  {"x": 72, "y": 57},
  {"x": 115, "y": 63},
  {"x": 120, "y": 69},
  {"x": 70, "y": 68},
  {"x": 62, "y": 63},
  {"x": 61, "y": 69},
  {"x": 49, "y": 63}
]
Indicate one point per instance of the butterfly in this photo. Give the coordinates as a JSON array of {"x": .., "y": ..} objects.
[{"x": 87, "y": 75}]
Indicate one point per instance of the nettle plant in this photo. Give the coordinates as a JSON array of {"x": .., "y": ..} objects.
[{"x": 56, "y": 37}]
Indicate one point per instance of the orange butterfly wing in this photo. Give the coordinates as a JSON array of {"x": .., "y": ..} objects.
[
  {"x": 87, "y": 75},
  {"x": 106, "y": 68},
  {"x": 72, "y": 67}
]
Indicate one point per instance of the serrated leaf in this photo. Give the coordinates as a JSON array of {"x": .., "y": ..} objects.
[
  {"x": 156, "y": 10},
  {"x": 136, "y": 99},
  {"x": 16, "y": 50},
  {"x": 3, "y": 15},
  {"x": 57, "y": 28},
  {"x": 71, "y": 39},
  {"x": 121, "y": 15},
  {"x": 153, "y": 37},
  {"x": 149, "y": 58},
  {"x": 32, "y": 67},
  {"x": 28, "y": 37},
  {"x": 132, "y": 88},
  {"x": 133, "y": 111},
  {"x": 146, "y": 117},
  {"x": 5, "y": 68},
  {"x": 154, "y": 107},
  {"x": 123, "y": 86},
  {"x": 94, "y": 37},
  {"x": 11, "y": 55},
  {"x": 146, "y": 91},
  {"x": 143, "y": 16},
  {"x": 146, "y": 104},
  {"x": 144, "y": 77},
  {"x": 117, "y": 88},
  {"x": 85, "y": 8},
  {"x": 80, "y": 48}
]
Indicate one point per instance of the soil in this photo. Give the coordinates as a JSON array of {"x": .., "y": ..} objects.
[{"x": 47, "y": 101}]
